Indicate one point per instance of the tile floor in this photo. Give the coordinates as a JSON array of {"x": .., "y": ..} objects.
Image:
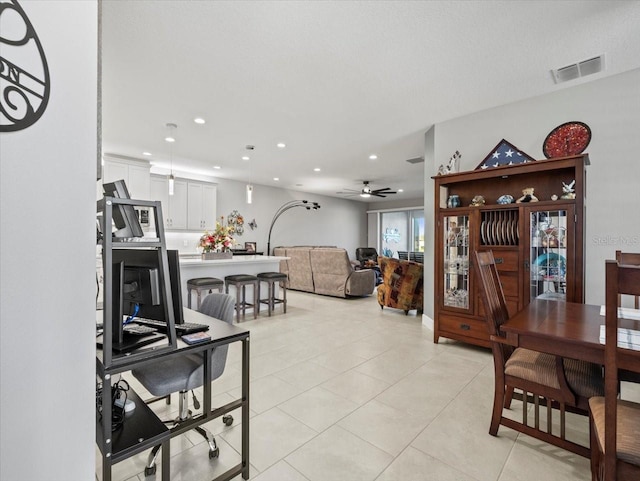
[{"x": 342, "y": 390}]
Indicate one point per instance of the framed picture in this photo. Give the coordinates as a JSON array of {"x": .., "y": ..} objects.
[{"x": 250, "y": 246}]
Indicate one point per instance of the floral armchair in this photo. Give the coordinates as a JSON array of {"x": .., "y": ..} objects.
[{"x": 402, "y": 284}]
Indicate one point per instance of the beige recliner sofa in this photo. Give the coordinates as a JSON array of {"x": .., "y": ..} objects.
[{"x": 324, "y": 270}]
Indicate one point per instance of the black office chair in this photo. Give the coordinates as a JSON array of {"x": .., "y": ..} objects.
[
  {"x": 185, "y": 374},
  {"x": 364, "y": 254}
]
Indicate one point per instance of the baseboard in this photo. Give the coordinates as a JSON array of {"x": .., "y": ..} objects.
[{"x": 427, "y": 322}]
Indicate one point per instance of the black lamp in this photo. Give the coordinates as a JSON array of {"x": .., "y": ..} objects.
[{"x": 285, "y": 207}]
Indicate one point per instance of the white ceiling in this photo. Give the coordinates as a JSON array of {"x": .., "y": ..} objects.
[{"x": 334, "y": 80}]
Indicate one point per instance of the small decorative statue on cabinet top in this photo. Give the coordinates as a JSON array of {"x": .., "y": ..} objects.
[
  {"x": 568, "y": 192},
  {"x": 477, "y": 201},
  {"x": 527, "y": 196},
  {"x": 452, "y": 166}
]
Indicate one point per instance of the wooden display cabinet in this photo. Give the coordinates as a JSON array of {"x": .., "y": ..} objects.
[{"x": 538, "y": 246}]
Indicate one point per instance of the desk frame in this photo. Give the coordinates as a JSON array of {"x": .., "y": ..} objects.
[{"x": 134, "y": 441}]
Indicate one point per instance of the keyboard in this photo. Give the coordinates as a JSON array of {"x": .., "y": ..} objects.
[
  {"x": 184, "y": 328},
  {"x": 138, "y": 330}
]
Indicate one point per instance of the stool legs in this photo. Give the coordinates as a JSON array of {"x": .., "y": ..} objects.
[
  {"x": 241, "y": 299},
  {"x": 271, "y": 299}
]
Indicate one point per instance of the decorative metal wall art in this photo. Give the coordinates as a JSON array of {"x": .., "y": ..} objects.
[
  {"x": 236, "y": 222},
  {"x": 24, "y": 94}
]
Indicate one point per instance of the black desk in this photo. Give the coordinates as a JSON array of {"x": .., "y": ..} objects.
[{"x": 142, "y": 429}]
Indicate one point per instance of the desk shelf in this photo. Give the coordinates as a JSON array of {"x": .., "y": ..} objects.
[{"x": 141, "y": 430}]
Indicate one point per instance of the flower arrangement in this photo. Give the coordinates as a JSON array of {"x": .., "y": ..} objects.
[{"x": 219, "y": 240}]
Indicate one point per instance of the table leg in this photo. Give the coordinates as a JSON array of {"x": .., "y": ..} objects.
[{"x": 245, "y": 408}]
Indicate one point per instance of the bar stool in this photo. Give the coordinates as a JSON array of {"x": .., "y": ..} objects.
[
  {"x": 200, "y": 284},
  {"x": 240, "y": 282},
  {"x": 271, "y": 278}
]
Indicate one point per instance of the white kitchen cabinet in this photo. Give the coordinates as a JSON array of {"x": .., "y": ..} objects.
[
  {"x": 174, "y": 207},
  {"x": 201, "y": 211},
  {"x": 136, "y": 175}
]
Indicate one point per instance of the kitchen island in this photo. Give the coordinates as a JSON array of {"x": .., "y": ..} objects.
[{"x": 192, "y": 266}]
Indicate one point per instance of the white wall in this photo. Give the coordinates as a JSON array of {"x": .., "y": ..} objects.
[
  {"x": 611, "y": 107},
  {"x": 338, "y": 222},
  {"x": 47, "y": 280}
]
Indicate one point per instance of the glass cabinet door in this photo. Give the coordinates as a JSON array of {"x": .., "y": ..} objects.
[
  {"x": 456, "y": 261},
  {"x": 549, "y": 242}
]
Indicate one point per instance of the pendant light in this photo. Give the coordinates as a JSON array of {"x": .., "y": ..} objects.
[
  {"x": 249, "y": 185},
  {"x": 171, "y": 139}
]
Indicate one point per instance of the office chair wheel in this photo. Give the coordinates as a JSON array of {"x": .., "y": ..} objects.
[
  {"x": 227, "y": 420},
  {"x": 149, "y": 471},
  {"x": 214, "y": 453}
]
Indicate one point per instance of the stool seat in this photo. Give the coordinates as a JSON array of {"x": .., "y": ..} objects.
[
  {"x": 240, "y": 282},
  {"x": 200, "y": 284},
  {"x": 276, "y": 276},
  {"x": 240, "y": 278},
  {"x": 271, "y": 300}
]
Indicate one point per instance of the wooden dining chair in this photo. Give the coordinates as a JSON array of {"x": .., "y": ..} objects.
[
  {"x": 615, "y": 423},
  {"x": 628, "y": 259},
  {"x": 552, "y": 381}
]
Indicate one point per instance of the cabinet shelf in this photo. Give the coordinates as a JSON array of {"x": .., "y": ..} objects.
[{"x": 509, "y": 231}]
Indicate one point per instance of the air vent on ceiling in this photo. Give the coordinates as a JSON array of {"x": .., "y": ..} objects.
[
  {"x": 577, "y": 70},
  {"x": 416, "y": 160}
]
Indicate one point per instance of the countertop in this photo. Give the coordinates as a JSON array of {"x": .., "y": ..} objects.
[{"x": 190, "y": 260}]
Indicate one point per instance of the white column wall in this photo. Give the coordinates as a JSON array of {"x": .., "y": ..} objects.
[{"x": 47, "y": 252}]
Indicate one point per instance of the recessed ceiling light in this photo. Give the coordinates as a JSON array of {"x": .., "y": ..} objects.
[
  {"x": 217, "y": 167},
  {"x": 199, "y": 120},
  {"x": 146, "y": 153},
  {"x": 170, "y": 139},
  {"x": 276, "y": 179},
  {"x": 373, "y": 157},
  {"x": 400, "y": 190},
  {"x": 245, "y": 157},
  {"x": 281, "y": 145},
  {"x": 317, "y": 169}
]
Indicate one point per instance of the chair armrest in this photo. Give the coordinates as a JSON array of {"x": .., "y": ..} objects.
[{"x": 360, "y": 283}]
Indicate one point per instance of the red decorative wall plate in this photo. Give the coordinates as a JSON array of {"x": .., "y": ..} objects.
[{"x": 570, "y": 138}]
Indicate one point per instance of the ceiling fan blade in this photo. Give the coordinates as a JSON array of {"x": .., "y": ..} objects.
[
  {"x": 377, "y": 194},
  {"x": 386, "y": 190}
]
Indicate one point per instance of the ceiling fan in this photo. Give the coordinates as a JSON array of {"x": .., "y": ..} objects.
[{"x": 367, "y": 191}]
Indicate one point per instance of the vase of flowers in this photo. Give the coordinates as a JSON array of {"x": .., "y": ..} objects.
[{"x": 217, "y": 244}]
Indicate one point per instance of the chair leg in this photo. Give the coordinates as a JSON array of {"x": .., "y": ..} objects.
[
  {"x": 150, "y": 468},
  {"x": 498, "y": 400},
  {"x": 508, "y": 397},
  {"x": 214, "y": 451}
]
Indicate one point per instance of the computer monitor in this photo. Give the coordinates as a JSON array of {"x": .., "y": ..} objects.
[
  {"x": 156, "y": 311},
  {"x": 125, "y": 217}
]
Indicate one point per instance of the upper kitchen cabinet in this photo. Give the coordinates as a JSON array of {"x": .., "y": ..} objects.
[
  {"x": 135, "y": 173},
  {"x": 191, "y": 207},
  {"x": 201, "y": 199}
]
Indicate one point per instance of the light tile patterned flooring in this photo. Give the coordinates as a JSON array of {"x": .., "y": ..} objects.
[{"x": 342, "y": 390}]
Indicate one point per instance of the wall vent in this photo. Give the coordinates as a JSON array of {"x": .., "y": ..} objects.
[
  {"x": 577, "y": 70},
  {"x": 416, "y": 160}
]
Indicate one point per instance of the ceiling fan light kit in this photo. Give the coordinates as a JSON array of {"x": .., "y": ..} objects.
[{"x": 367, "y": 191}]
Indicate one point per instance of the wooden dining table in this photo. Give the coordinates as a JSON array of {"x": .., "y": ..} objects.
[{"x": 565, "y": 329}]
